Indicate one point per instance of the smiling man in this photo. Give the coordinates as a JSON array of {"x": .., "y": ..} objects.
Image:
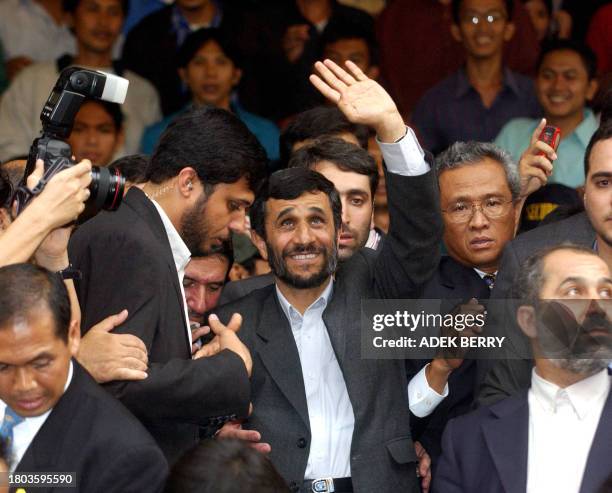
[
  {"x": 556, "y": 436},
  {"x": 54, "y": 416},
  {"x": 564, "y": 85},
  {"x": 200, "y": 182},
  {"x": 475, "y": 102}
]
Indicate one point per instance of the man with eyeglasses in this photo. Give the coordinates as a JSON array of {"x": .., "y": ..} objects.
[
  {"x": 476, "y": 101},
  {"x": 481, "y": 196}
]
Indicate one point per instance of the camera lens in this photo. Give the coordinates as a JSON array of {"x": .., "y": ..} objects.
[{"x": 106, "y": 188}]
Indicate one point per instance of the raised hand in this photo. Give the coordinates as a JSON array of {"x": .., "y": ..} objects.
[
  {"x": 535, "y": 165},
  {"x": 361, "y": 99}
]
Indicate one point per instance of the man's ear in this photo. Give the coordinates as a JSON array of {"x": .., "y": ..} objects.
[
  {"x": 5, "y": 220},
  {"x": 456, "y": 33},
  {"x": 592, "y": 89},
  {"x": 119, "y": 140},
  {"x": 236, "y": 77},
  {"x": 526, "y": 318},
  {"x": 373, "y": 72},
  {"x": 188, "y": 182},
  {"x": 509, "y": 31},
  {"x": 74, "y": 337},
  {"x": 517, "y": 217},
  {"x": 260, "y": 244}
]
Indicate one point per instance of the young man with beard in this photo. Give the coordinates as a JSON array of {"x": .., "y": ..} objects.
[
  {"x": 200, "y": 182},
  {"x": 324, "y": 411},
  {"x": 556, "y": 436}
]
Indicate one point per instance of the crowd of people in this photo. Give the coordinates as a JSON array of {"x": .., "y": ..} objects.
[{"x": 285, "y": 161}]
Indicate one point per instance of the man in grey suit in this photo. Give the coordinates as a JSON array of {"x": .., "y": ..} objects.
[
  {"x": 592, "y": 229},
  {"x": 335, "y": 421}
]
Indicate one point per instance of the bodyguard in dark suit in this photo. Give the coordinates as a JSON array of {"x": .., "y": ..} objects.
[
  {"x": 558, "y": 435},
  {"x": 55, "y": 417},
  {"x": 481, "y": 195},
  {"x": 592, "y": 229},
  {"x": 200, "y": 182}
]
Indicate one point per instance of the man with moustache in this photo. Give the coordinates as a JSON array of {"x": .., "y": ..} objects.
[
  {"x": 556, "y": 436},
  {"x": 591, "y": 229},
  {"x": 199, "y": 183},
  {"x": 335, "y": 421}
]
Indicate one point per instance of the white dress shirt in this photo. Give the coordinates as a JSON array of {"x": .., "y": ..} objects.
[
  {"x": 329, "y": 408},
  {"x": 24, "y": 432},
  {"x": 181, "y": 256},
  {"x": 562, "y": 424}
]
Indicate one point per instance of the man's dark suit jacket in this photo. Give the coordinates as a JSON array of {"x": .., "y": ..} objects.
[
  {"x": 91, "y": 434},
  {"x": 126, "y": 262},
  {"x": 507, "y": 377},
  {"x": 452, "y": 282},
  {"x": 382, "y": 452},
  {"x": 487, "y": 450}
]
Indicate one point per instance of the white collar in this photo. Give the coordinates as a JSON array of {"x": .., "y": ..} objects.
[
  {"x": 320, "y": 302},
  {"x": 482, "y": 274},
  {"x": 581, "y": 395},
  {"x": 180, "y": 252}
]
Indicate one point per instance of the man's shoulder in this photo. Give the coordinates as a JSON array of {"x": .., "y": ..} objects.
[
  {"x": 575, "y": 229},
  {"x": 151, "y": 24},
  {"x": 440, "y": 93},
  {"x": 249, "y": 303},
  {"x": 139, "y": 84},
  {"x": 236, "y": 290},
  {"x": 38, "y": 74},
  {"x": 517, "y": 128}
]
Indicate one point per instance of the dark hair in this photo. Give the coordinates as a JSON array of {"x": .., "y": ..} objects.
[
  {"x": 23, "y": 287},
  {"x": 547, "y": 3},
  {"x": 604, "y": 132},
  {"x": 346, "y": 156},
  {"x": 195, "y": 40},
  {"x": 586, "y": 54},
  {"x": 338, "y": 30},
  {"x": 6, "y": 190},
  {"x": 71, "y": 6},
  {"x": 215, "y": 143},
  {"x": 289, "y": 184},
  {"x": 133, "y": 167},
  {"x": 456, "y": 8},
  {"x": 319, "y": 122},
  {"x": 112, "y": 109},
  {"x": 528, "y": 281},
  {"x": 225, "y": 466},
  {"x": 605, "y": 118}
]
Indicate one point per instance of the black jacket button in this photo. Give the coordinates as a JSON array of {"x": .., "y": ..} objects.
[{"x": 301, "y": 443}]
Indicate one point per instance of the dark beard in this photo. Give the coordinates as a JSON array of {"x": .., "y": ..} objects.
[
  {"x": 279, "y": 266},
  {"x": 194, "y": 229}
]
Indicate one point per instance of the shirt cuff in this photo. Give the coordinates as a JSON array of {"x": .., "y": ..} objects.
[
  {"x": 422, "y": 399},
  {"x": 404, "y": 157}
]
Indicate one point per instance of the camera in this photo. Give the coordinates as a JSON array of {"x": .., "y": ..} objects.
[{"x": 72, "y": 88}]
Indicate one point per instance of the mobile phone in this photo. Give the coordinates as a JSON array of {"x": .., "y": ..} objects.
[{"x": 550, "y": 135}]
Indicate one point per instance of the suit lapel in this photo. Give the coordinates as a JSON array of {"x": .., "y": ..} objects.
[
  {"x": 143, "y": 206},
  {"x": 279, "y": 354},
  {"x": 335, "y": 319},
  {"x": 462, "y": 280},
  {"x": 507, "y": 439},
  {"x": 597, "y": 469}
]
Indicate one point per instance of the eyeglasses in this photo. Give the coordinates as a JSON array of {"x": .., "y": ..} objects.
[
  {"x": 475, "y": 19},
  {"x": 492, "y": 208}
]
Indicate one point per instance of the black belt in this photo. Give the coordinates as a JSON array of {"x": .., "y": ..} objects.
[{"x": 328, "y": 485}]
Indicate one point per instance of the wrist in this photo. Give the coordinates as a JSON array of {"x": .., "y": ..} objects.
[
  {"x": 440, "y": 367},
  {"x": 391, "y": 129}
]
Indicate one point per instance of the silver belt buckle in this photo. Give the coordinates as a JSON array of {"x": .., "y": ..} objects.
[{"x": 323, "y": 485}]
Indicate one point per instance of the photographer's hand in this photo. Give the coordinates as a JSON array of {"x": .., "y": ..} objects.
[{"x": 61, "y": 201}]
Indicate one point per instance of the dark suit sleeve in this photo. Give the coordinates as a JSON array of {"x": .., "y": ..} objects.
[
  {"x": 132, "y": 471},
  {"x": 448, "y": 474},
  {"x": 177, "y": 387},
  {"x": 411, "y": 252},
  {"x": 502, "y": 378}
]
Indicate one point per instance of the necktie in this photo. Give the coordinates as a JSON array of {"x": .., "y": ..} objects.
[
  {"x": 11, "y": 419},
  {"x": 489, "y": 280}
]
